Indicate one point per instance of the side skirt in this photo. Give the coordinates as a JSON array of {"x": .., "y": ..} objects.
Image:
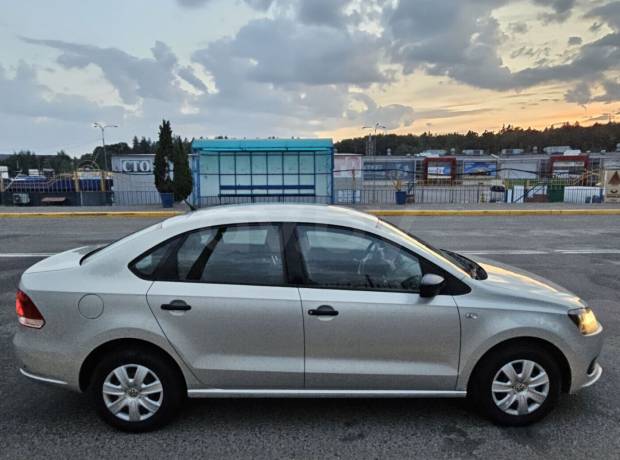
[{"x": 249, "y": 393}]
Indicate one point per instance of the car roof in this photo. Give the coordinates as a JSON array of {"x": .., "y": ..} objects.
[{"x": 273, "y": 212}]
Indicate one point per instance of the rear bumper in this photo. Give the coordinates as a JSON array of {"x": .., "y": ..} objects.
[
  {"x": 41, "y": 379},
  {"x": 44, "y": 360}
]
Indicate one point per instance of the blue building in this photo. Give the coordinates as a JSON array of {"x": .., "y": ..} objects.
[{"x": 238, "y": 171}]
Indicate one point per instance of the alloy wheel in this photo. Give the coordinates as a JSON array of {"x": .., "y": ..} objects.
[
  {"x": 520, "y": 387},
  {"x": 132, "y": 392}
]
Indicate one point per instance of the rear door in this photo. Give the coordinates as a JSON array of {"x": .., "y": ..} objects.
[{"x": 222, "y": 300}]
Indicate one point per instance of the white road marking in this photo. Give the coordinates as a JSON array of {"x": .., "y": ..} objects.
[
  {"x": 537, "y": 252},
  {"x": 20, "y": 255},
  {"x": 506, "y": 252}
]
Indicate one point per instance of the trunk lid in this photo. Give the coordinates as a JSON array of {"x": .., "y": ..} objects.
[{"x": 62, "y": 261}]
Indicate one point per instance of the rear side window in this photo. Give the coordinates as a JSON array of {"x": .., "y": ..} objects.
[
  {"x": 244, "y": 254},
  {"x": 147, "y": 264}
]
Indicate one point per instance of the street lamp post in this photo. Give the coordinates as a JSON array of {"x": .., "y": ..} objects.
[
  {"x": 371, "y": 150},
  {"x": 102, "y": 127}
]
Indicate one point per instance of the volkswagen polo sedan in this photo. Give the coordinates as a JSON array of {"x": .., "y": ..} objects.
[{"x": 297, "y": 301}]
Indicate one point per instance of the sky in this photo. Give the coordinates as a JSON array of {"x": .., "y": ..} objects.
[{"x": 259, "y": 68}]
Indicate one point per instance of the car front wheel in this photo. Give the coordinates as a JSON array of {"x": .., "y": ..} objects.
[
  {"x": 516, "y": 386},
  {"x": 136, "y": 392}
]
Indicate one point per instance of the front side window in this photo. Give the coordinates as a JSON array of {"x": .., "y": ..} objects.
[
  {"x": 248, "y": 254},
  {"x": 344, "y": 258}
]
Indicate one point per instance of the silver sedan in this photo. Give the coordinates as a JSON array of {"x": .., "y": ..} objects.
[{"x": 297, "y": 301}]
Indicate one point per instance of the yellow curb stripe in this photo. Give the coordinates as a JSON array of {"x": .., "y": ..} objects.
[
  {"x": 63, "y": 214},
  {"x": 493, "y": 212}
]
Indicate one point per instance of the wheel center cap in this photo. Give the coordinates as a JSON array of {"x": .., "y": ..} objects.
[
  {"x": 133, "y": 392},
  {"x": 520, "y": 386}
]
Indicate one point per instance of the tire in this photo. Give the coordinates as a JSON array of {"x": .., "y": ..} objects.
[
  {"x": 139, "y": 408},
  {"x": 518, "y": 401}
]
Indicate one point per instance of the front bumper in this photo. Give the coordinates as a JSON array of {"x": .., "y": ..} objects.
[
  {"x": 593, "y": 376},
  {"x": 585, "y": 368}
]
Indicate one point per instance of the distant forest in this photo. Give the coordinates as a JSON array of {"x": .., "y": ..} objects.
[
  {"x": 587, "y": 138},
  {"x": 24, "y": 160}
]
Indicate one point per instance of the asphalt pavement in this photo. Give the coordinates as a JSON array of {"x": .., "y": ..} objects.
[{"x": 579, "y": 252}]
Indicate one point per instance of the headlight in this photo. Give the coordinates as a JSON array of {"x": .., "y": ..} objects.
[{"x": 585, "y": 320}]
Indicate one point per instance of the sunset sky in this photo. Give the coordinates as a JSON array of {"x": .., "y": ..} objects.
[{"x": 259, "y": 68}]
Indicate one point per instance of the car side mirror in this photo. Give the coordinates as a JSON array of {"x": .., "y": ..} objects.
[{"x": 431, "y": 285}]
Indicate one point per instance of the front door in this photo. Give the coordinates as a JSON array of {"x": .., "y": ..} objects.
[
  {"x": 222, "y": 301},
  {"x": 366, "y": 327}
]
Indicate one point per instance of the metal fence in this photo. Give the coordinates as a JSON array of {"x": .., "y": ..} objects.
[
  {"x": 414, "y": 193},
  {"x": 207, "y": 201},
  {"x": 462, "y": 194}
]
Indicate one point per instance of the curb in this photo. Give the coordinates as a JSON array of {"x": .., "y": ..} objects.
[
  {"x": 494, "y": 212},
  {"x": 64, "y": 214}
]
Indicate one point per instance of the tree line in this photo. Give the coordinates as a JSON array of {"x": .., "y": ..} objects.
[
  {"x": 23, "y": 160},
  {"x": 587, "y": 138}
]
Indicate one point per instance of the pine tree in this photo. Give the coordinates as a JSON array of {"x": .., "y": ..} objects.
[
  {"x": 163, "y": 155},
  {"x": 183, "y": 182}
]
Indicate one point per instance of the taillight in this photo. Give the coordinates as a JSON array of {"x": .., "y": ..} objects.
[{"x": 27, "y": 312}]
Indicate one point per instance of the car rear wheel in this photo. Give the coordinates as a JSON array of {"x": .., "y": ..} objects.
[
  {"x": 516, "y": 386},
  {"x": 136, "y": 391}
]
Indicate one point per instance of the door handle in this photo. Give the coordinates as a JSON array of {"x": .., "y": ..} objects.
[
  {"x": 176, "y": 305},
  {"x": 323, "y": 310}
]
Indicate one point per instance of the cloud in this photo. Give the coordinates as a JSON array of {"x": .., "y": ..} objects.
[
  {"x": 458, "y": 40},
  {"x": 262, "y": 5},
  {"x": 529, "y": 52},
  {"x": 562, "y": 9},
  {"x": 308, "y": 78},
  {"x": 322, "y": 12},
  {"x": 391, "y": 116},
  {"x": 580, "y": 94},
  {"x": 518, "y": 27},
  {"x": 608, "y": 14},
  {"x": 134, "y": 78},
  {"x": 612, "y": 91},
  {"x": 283, "y": 52},
  {"x": 193, "y": 3},
  {"x": 24, "y": 96},
  {"x": 574, "y": 41},
  {"x": 187, "y": 73}
]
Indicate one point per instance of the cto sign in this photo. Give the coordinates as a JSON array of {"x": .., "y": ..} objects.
[{"x": 135, "y": 166}]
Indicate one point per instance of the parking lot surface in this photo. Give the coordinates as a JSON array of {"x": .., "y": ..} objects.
[{"x": 579, "y": 252}]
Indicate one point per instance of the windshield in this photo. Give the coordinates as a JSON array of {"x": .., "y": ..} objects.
[{"x": 467, "y": 265}]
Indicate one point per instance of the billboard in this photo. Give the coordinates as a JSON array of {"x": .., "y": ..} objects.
[
  {"x": 568, "y": 168},
  {"x": 612, "y": 186},
  {"x": 439, "y": 169},
  {"x": 133, "y": 164},
  {"x": 389, "y": 170},
  {"x": 479, "y": 168},
  {"x": 346, "y": 165},
  {"x": 522, "y": 169}
]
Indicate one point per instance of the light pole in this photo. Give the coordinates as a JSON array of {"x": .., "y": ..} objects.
[
  {"x": 102, "y": 127},
  {"x": 371, "y": 151}
]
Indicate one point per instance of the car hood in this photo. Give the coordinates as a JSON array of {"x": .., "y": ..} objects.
[
  {"x": 515, "y": 282},
  {"x": 61, "y": 261}
]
